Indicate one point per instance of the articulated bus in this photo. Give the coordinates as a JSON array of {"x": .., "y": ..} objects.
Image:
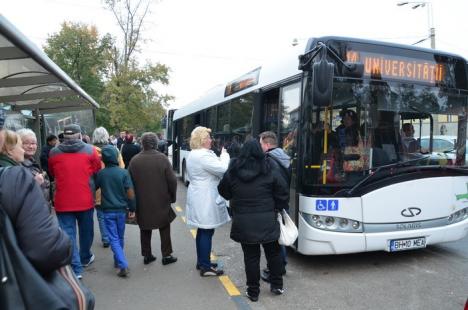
[{"x": 375, "y": 195}]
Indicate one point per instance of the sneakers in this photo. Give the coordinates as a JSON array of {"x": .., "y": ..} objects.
[
  {"x": 211, "y": 272},
  {"x": 148, "y": 259},
  {"x": 123, "y": 272},
  {"x": 91, "y": 260},
  {"x": 251, "y": 297},
  {"x": 213, "y": 265},
  {"x": 79, "y": 277},
  {"x": 277, "y": 291},
  {"x": 105, "y": 244},
  {"x": 169, "y": 260}
]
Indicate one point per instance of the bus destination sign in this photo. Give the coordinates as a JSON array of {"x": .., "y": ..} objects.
[
  {"x": 247, "y": 80},
  {"x": 384, "y": 66}
]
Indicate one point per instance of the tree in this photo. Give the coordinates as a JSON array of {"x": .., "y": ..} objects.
[
  {"x": 130, "y": 98},
  {"x": 84, "y": 56}
]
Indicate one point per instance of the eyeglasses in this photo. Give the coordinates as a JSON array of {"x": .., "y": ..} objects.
[{"x": 29, "y": 143}]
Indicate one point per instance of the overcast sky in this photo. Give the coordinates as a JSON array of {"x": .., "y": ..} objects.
[{"x": 208, "y": 42}]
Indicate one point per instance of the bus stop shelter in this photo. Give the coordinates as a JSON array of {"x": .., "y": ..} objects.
[{"x": 31, "y": 83}]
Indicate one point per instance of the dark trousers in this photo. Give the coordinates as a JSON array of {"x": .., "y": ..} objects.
[
  {"x": 203, "y": 243},
  {"x": 252, "y": 265},
  {"x": 166, "y": 244}
]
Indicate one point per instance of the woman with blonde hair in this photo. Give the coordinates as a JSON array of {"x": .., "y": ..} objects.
[
  {"x": 205, "y": 209},
  {"x": 11, "y": 152}
]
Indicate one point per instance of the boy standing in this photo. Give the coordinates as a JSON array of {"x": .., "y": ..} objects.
[{"x": 117, "y": 196}]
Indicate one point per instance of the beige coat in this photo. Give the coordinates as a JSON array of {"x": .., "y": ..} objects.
[{"x": 155, "y": 188}]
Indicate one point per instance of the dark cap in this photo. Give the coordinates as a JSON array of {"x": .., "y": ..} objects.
[{"x": 72, "y": 129}]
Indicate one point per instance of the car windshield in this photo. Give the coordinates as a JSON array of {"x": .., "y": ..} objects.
[{"x": 373, "y": 124}]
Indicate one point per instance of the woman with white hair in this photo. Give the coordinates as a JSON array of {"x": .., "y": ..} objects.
[
  {"x": 101, "y": 139},
  {"x": 28, "y": 137},
  {"x": 205, "y": 209}
]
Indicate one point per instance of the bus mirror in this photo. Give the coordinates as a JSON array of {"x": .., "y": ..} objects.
[
  {"x": 322, "y": 78},
  {"x": 353, "y": 69}
]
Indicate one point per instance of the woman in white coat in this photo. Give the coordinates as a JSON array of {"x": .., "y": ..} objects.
[{"x": 205, "y": 209}]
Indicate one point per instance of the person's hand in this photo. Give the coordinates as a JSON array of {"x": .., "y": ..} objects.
[
  {"x": 223, "y": 150},
  {"x": 131, "y": 215},
  {"x": 39, "y": 178}
]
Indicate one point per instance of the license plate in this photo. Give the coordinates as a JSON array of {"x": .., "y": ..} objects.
[{"x": 407, "y": 244}]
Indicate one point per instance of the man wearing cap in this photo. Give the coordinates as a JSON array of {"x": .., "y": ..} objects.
[{"x": 72, "y": 164}]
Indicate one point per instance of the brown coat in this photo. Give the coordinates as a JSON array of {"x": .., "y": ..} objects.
[{"x": 155, "y": 188}]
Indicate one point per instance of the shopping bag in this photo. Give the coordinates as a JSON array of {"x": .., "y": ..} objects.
[{"x": 288, "y": 230}]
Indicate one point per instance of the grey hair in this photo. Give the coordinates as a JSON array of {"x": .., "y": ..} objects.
[
  {"x": 100, "y": 136},
  {"x": 26, "y": 132},
  {"x": 149, "y": 141}
]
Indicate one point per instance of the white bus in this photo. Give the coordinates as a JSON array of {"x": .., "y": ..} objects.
[{"x": 371, "y": 195}]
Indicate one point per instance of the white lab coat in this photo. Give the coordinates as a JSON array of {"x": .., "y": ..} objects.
[{"x": 205, "y": 208}]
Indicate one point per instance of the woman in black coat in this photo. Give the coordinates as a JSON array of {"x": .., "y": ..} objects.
[{"x": 257, "y": 192}]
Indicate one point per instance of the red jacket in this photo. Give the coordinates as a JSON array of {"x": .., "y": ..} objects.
[{"x": 72, "y": 164}]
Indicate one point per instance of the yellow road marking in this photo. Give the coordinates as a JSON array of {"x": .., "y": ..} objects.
[
  {"x": 183, "y": 218},
  {"x": 194, "y": 233},
  {"x": 178, "y": 209},
  {"x": 229, "y": 286}
]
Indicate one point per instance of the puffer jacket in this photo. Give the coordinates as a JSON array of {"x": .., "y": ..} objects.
[
  {"x": 42, "y": 241},
  {"x": 255, "y": 199}
]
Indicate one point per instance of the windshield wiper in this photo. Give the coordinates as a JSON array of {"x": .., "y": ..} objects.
[{"x": 397, "y": 164}]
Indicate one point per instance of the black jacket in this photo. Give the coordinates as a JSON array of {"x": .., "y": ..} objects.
[
  {"x": 255, "y": 199},
  {"x": 42, "y": 241},
  {"x": 128, "y": 151}
]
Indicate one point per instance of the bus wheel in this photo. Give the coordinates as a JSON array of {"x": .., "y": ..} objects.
[{"x": 184, "y": 175}]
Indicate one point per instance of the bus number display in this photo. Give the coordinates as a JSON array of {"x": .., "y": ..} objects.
[{"x": 381, "y": 66}]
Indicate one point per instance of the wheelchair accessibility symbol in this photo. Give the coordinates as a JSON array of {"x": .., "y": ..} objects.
[{"x": 324, "y": 205}]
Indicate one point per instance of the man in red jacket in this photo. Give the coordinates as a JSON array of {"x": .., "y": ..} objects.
[{"x": 72, "y": 164}]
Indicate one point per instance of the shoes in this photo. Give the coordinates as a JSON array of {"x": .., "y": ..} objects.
[
  {"x": 91, "y": 260},
  {"x": 211, "y": 272},
  {"x": 169, "y": 260},
  {"x": 251, "y": 297},
  {"x": 213, "y": 265},
  {"x": 265, "y": 274},
  {"x": 105, "y": 244},
  {"x": 123, "y": 272},
  {"x": 277, "y": 291},
  {"x": 148, "y": 259},
  {"x": 79, "y": 277}
]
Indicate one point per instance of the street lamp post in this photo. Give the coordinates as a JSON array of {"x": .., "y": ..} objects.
[{"x": 430, "y": 18}]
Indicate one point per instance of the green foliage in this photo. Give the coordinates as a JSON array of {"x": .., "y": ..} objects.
[
  {"x": 79, "y": 51},
  {"x": 131, "y": 102}
]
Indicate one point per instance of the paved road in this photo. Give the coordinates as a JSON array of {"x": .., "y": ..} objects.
[{"x": 433, "y": 278}]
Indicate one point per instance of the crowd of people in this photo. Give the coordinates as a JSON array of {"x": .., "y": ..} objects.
[{"x": 74, "y": 177}]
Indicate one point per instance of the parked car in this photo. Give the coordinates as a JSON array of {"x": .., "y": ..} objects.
[{"x": 443, "y": 145}]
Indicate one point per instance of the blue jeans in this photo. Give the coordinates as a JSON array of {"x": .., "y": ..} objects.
[
  {"x": 203, "y": 243},
  {"x": 102, "y": 226},
  {"x": 68, "y": 221},
  {"x": 115, "y": 226}
]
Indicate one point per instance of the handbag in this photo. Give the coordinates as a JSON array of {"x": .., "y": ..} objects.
[
  {"x": 288, "y": 230},
  {"x": 359, "y": 164},
  {"x": 22, "y": 287}
]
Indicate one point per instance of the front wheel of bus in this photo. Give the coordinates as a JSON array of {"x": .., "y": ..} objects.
[{"x": 184, "y": 175}]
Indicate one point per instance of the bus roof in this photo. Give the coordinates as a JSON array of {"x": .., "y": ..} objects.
[{"x": 282, "y": 69}]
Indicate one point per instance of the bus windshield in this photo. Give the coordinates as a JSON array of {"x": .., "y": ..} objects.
[{"x": 372, "y": 124}]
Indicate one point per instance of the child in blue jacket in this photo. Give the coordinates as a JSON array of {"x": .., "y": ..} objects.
[{"x": 117, "y": 198}]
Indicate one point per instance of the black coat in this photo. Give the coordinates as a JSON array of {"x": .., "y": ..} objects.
[
  {"x": 255, "y": 200},
  {"x": 42, "y": 241},
  {"x": 128, "y": 151}
]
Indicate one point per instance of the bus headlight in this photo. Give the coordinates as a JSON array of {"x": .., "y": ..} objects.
[
  {"x": 458, "y": 216},
  {"x": 332, "y": 223}
]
